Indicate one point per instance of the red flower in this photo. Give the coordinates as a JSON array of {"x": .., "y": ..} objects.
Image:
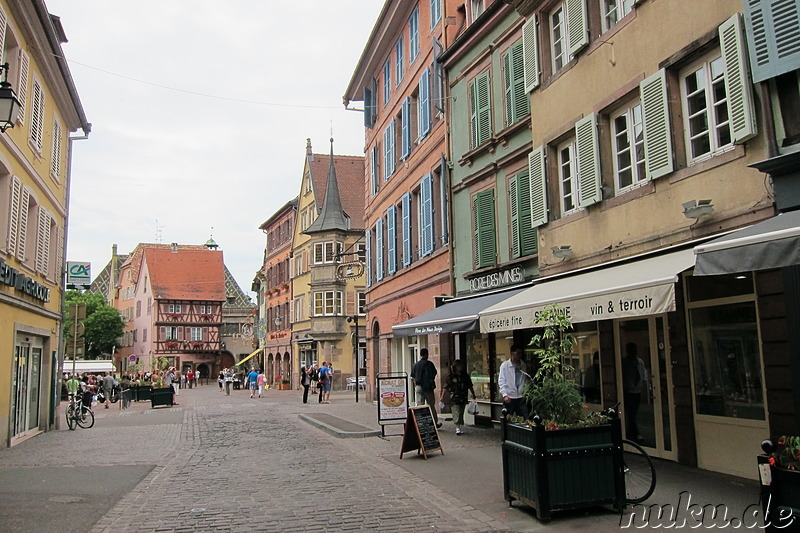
[{"x": 772, "y": 461}]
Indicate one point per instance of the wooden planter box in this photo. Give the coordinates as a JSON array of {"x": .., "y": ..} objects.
[
  {"x": 284, "y": 386},
  {"x": 141, "y": 393},
  {"x": 563, "y": 469},
  {"x": 779, "y": 498},
  {"x": 161, "y": 397}
]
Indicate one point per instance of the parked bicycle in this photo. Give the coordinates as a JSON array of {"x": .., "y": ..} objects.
[
  {"x": 79, "y": 414},
  {"x": 640, "y": 474}
]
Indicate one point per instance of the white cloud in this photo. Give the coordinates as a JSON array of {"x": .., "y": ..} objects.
[{"x": 189, "y": 161}]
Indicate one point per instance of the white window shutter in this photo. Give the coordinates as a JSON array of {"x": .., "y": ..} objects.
[
  {"x": 405, "y": 128},
  {"x": 655, "y": 118},
  {"x": 538, "y": 187},
  {"x": 42, "y": 240},
  {"x": 22, "y": 83},
  {"x": 58, "y": 268},
  {"x": 55, "y": 156},
  {"x": 379, "y": 249},
  {"x": 737, "y": 80},
  {"x": 530, "y": 54},
  {"x": 588, "y": 161},
  {"x": 577, "y": 24},
  {"x": 22, "y": 229},
  {"x": 15, "y": 197},
  {"x": 426, "y": 212}
]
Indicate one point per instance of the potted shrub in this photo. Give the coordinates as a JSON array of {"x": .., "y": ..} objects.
[
  {"x": 779, "y": 473},
  {"x": 563, "y": 459}
]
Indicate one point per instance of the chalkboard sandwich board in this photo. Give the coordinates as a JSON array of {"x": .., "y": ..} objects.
[{"x": 420, "y": 432}]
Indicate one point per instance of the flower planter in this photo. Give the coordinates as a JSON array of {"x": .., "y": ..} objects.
[
  {"x": 284, "y": 386},
  {"x": 161, "y": 397},
  {"x": 780, "y": 496},
  {"x": 141, "y": 393},
  {"x": 563, "y": 469}
]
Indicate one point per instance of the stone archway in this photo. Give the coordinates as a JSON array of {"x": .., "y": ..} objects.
[
  {"x": 374, "y": 359},
  {"x": 203, "y": 370},
  {"x": 226, "y": 360},
  {"x": 286, "y": 367}
]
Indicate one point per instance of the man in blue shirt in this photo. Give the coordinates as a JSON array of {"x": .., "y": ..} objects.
[{"x": 252, "y": 379}]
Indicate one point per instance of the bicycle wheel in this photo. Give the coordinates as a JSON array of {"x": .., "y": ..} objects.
[
  {"x": 71, "y": 420},
  {"x": 640, "y": 475},
  {"x": 86, "y": 419}
]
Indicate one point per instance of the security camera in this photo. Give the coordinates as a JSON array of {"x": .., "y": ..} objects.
[{"x": 349, "y": 319}]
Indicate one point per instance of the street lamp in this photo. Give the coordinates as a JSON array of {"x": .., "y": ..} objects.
[
  {"x": 354, "y": 320},
  {"x": 9, "y": 104}
]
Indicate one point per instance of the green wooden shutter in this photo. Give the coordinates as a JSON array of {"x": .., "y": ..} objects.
[
  {"x": 588, "y": 155},
  {"x": 485, "y": 244},
  {"x": 773, "y": 37},
  {"x": 655, "y": 118},
  {"x": 480, "y": 110},
  {"x": 737, "y": 82},
  {"x": 530, "y": 53},
  {"x": 538, "y": 187},
  {"x": 523, "y": 234},
  {"x": 517, "y": 101},
  {"x": 577, "y": 25}
]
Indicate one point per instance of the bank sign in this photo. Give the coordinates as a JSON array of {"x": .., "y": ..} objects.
[
  {"x": 622, "y": 304},
  {"x": 79, "y": 275}
]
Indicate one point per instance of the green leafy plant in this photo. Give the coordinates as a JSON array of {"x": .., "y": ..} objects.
[
  {"x": 553, "y": 395},
  {"x": 786, "y": 453}
]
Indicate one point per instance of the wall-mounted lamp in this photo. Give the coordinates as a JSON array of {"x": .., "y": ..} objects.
[
  {"x": 9, "y": 104},
  {"x": 562, "y": 252},
  {"x": 696, "y": 209},
  {"x": 278, "y": 321}
]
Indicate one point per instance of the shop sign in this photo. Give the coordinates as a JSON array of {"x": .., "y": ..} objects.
[
  {"x": 494, "y": 280},
  {"x": 14, "y": 278},
  {"x": 631, "y": 303},
  {"x": 393, "y": 393}
]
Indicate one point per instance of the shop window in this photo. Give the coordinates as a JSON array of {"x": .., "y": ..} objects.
[
  {"x": 477, "y": 364},
  {"x": 726, "y": 355}
]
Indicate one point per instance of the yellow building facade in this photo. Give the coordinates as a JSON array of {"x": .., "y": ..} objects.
[{"x": 34, "y": 197}]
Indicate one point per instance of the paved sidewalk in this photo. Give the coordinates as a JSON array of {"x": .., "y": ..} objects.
[{"x": 232, "y": 463}]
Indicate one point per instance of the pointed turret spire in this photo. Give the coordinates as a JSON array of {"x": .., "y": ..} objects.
[{"x": 332, "y": 216}]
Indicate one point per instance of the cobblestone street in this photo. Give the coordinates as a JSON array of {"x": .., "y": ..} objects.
[{"x": 231, "y": 463}]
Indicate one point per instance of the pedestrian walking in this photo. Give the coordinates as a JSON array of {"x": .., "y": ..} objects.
[
  {"x": 252, "y": 381},
  {"x": 108, "y": 383},
  {"x": 169, "y": 380},
  {"x": 424, "y": 375},
  {"x": 459, "y": 384},
  {"x": 221, "y": 379},
  {"x": 261, "y": 381},
  {"x": 190, "y": 377},
  {"x": 228, "y": 380},
  {"x": 183, "y": 380}
]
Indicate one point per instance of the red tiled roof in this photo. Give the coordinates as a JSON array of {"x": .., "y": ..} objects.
[
  {"x": 189, "y": 274},
  {"x": 134, "y": 259},
  {"x": 349, "y": 175}
]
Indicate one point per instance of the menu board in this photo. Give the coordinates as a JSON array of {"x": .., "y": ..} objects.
[
  {"x": 393, "y": 398},
  {"x": 421, "y": 433}
]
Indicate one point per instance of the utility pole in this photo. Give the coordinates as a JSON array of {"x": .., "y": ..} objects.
[{"x": 76, "y": 342}]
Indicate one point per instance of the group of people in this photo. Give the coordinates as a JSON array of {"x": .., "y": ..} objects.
[
  {"x": 320, "y": 379},
  {"x": 458, "y": 383},
  {"x": 89, "y": 385},
  {"x": 255, "y": 381}
]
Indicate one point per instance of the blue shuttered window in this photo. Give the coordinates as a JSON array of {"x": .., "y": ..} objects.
[
  {"x": 773, "y": 37},
  {"x": 388, "y": 151},
  {"x": 391, "y": 240},
  {"x": 424, "y": 113},
  {"x": 387, "y": 81},
  {"x": 374, "y": 165},
  {"x": 436, "y": 12},
  {"x": 413, "y": 35},
  {"x": 406, "y": 228},
  {"x": 399, "y": 65},
  {"x": 379, "y": 249},
  {"x": 405, "y": 129},
  {"x": 426, "y": 215}
]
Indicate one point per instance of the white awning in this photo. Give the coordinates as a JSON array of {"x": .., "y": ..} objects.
[
  {"x": 637, "y": 288},
  {"x": 91, "y": 366}
]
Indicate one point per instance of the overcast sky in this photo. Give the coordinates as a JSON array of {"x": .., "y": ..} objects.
[{"x": 165, "y": 163}]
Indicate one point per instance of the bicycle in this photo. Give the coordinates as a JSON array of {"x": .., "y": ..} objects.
[
  {"x": 637, "y": 467},
  {"x": 78, "y": 414}
]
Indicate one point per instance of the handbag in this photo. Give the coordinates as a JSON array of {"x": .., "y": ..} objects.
[{"x": 472, "y": 408}]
